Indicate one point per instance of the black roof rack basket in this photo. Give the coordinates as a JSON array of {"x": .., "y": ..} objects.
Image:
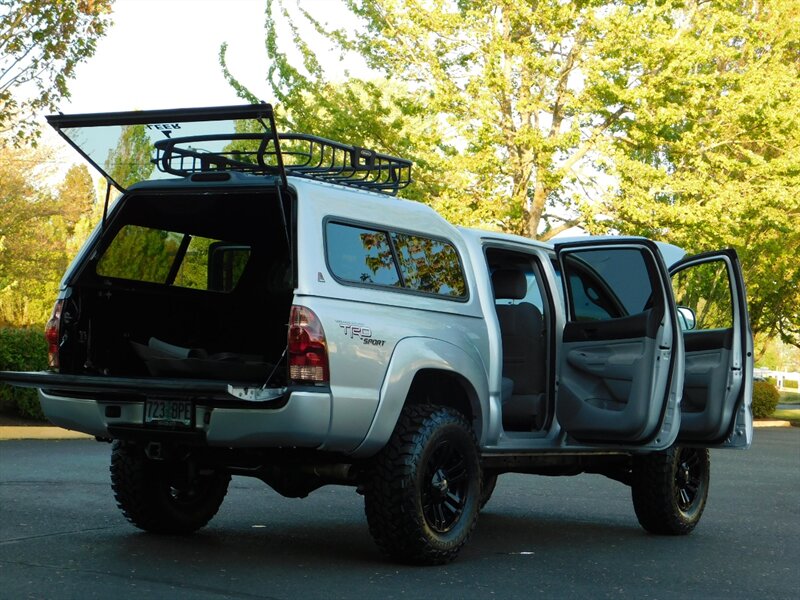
[{"x": 295, "y": 154}]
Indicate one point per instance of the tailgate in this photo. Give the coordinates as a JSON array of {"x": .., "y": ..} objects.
[{"x": 123, "y": 387}]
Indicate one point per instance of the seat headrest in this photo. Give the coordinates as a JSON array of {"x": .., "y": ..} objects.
[{"x": 509, "y": 284}]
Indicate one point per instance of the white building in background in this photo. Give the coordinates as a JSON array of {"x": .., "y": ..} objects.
[{"x": 781, "y": 378}]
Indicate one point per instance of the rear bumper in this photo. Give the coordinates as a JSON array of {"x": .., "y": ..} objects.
[{"x": 303, "y": 421}]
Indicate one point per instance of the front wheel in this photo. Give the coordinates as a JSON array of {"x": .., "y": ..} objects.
[
  {"x": 670, "y": 489},
  {"x": 164, "y": 496},
  {"x": 423, "y": 495}
]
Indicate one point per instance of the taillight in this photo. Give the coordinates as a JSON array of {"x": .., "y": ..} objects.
[
  {"x": 308, "y": 354},
  {"x": 51, "y": 334}
]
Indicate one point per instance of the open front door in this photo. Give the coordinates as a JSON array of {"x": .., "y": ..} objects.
[
  {"x": 619, "y": 373},
  {"x": 715, "y": 410}
]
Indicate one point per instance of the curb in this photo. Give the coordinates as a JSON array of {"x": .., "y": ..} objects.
[
  {"x": 41, "y": 433},
  {"x": 771, "y": 423}
]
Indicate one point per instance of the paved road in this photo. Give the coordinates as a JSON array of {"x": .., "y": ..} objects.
[{"x": 61, "y": 536}]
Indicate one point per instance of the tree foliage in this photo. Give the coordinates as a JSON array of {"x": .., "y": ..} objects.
[
  {"x": 714, "y": 160},
  {"x": 129, "y": 161},
  {"x": 40, "y": 230},
  {"x": 41, "y": 43},
  {"x": 675, "y": 119}
]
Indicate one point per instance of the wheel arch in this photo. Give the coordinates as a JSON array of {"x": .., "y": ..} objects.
[
  {"x": 447, "y": 388},
  {"x": 426, "y": 370}
]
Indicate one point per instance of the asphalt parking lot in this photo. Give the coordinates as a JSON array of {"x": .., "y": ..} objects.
[{"x": 61, "y": 536}]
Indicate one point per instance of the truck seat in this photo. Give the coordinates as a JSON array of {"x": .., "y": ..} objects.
[{"x": 524, "y": 359}]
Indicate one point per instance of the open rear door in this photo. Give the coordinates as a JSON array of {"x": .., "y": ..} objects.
[
  {"x": 619, "y": 367},
  {"x": 717, "y": 392}
]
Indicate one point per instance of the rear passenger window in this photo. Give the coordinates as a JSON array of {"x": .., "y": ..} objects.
[
  {"x": 361, "y": 255},
  {"x": 706, "y": 289},
  {"x": 398, "y": 260},
  {"x": 607, "y": 283},
  {"x": 429, "y": 265}
]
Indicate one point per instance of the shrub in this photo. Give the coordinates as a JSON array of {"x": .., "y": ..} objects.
[
  {"x": 772, "y": 380},
  {"x": 790, "y": 384},
  {"x": 22, "y": 350},
  {"x": 765, "y": 399}
]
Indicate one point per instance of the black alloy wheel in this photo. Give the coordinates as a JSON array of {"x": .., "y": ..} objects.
[
  {"x": 691, "y": 478},
  {"x": 445, "y": 495}
]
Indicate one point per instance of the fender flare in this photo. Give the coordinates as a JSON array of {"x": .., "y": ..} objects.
[{"x": 410, "y": 356}]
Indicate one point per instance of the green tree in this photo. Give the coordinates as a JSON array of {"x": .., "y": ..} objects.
[
  {"x": 129, "y": 162},
  {"x": 41, "y": 43},
  {"x": 677, "y": 119},
  {"x": 39, "y": 231},
  {"x": 714, "y": 160}
]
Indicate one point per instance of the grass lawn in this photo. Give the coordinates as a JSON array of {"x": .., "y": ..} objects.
[
  {"x": 788, "y": 397},
  {"x": 793, "y": 416}
]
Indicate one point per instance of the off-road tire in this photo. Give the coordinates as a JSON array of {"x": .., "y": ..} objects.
[
  {"x": 487, "y": 487},
  {"x": 157, "y": 496},
  {"x": 422, "y": 497},
  {"x": 670, "y": 489}
]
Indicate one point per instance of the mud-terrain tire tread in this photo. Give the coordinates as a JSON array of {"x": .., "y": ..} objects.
[
  {"x": 140, "y": 489},
  {"x": 653, "y": 492},
  {"x": 392, "y": 498}
]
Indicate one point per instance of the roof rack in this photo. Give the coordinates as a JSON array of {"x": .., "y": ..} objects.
[{"x": 297, "y": 154}]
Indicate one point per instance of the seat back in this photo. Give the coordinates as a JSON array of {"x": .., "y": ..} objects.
[{"x": 524, "y": 358}]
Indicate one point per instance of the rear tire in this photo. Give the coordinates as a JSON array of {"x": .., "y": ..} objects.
[
  {"x": 423, "y": 494},
  {"x": 164, "y": 496},
  {"x": 670, "y": 489}
]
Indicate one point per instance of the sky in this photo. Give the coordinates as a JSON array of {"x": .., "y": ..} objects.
[
  {"x": 161, "y": 54},
  {"x": 164, "y": 54}
]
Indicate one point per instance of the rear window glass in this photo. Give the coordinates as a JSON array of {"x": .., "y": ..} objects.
[
  {"x": 607, "y": 283},
  {"x": 429, "y": 265},
  {"x": 706, "y": 289},
  {"x": 361, "y": 255},
  {"x": 170, "y": 258},
  {"x": 398, "y": 260}
]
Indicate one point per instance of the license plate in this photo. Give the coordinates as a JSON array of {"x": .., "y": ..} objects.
[{"x": 174, "y": 413}]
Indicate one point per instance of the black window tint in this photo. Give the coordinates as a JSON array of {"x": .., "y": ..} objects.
[
  {"x": 140, "y": 254},
  {"x": 226, "y": 264},
  {"x": 429, "y": 265},
  {"x": 157, "y": 256},
  {"x": 361, "y": 255},
  {"x": 588, "y": 302},
  {"x": 607, "y": 284}
]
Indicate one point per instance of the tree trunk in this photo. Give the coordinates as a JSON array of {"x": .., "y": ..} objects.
[{"x": 537, "y": 208}]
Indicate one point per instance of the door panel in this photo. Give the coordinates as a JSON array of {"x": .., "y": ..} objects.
[
  {"x": 715, "y": 409},
  {"x": 617, "y": 349},
  {"x": 604, "y": 387}
]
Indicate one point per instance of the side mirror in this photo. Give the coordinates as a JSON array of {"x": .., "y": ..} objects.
[{"x": 686, "y": 318}]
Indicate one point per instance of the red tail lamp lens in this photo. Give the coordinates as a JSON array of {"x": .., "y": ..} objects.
[
  {"x": 308, "y": 353},
  {"x": 51, "y": 334}
]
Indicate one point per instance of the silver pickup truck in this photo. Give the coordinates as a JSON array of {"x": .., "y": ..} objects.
[{"x": 258, "y": 304}]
